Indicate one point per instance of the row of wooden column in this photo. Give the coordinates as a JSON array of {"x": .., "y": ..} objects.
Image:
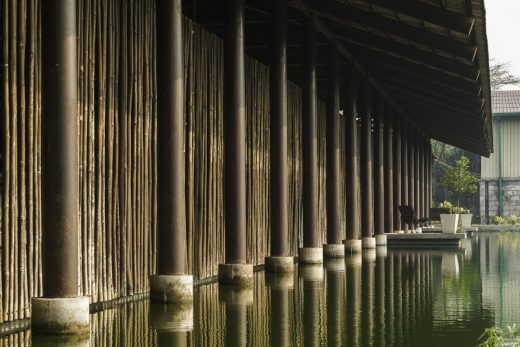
[{"x": 393, "y": 162}]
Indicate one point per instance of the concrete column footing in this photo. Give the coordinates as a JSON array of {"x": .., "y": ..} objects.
[
  {"x": 60, "y": 316},
  {"x": 171, "y": 288},
  {"x": 236, "y": 274},
  {"x": 368, "y": 242},
  {"x": 310, "y": 255},
  {"x": 333, "y": 250},
  {"x": 279, "y": 264},
  {"x": 380, "y": 240},
  {"x": 352, "y": 246}
]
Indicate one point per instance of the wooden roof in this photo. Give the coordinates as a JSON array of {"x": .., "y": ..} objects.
[{"x": 429, "y": 58}]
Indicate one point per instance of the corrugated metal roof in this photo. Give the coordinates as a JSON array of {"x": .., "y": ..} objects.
[{"x": 505, "y": 101}]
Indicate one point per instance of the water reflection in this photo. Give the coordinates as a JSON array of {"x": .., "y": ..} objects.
[{"x": 382, "y": 297}]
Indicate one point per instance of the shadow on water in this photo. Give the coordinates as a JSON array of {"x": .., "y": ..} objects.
[{"x": 381, "y": 297}]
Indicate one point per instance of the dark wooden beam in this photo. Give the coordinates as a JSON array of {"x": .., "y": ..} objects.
[
  {"x": 433, "y": 14},
  {"x": 353, "y": 38},
  {"x": 401, "y": 68},
  {"x": 343, "y": 13}
]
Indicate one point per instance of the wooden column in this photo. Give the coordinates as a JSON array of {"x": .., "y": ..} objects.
[
  {"x": 334, "y": 195},
  {"x": 235, "y": 134},
  {"x": 171, "y": 198},
  {"x": 59, "y": 150},
  {"x": 235, "y": 270},
  {"x": 404, "y": 168},
  {"x": 367, "y": 189},
  {"x": 389, "y": 172},
  {"x": 422, "y": 170},
  {"x": 351, "y": 163},
  {"x": 278, "y": 92},
  {"x": 61, "y": 310},
  {"x": 311, "y": 237},
  {"x": 396, "y": 145},
  {"x": 417, "y": 176},
  {"x": 379, "y": 181},
  {"x": 411, "y": 168}
]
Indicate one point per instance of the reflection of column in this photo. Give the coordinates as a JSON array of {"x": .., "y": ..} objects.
[
  {"x": 312, "y": 281},
  {"x": 237, "y": 300},
  {"x": 173, "y": 323},
  {"x": 367, "y": 292},
  {"x": 398, "y": 295},
  {"x": 380, "y": 296},
  {"x": 335, "y": 296},
  {"x": 450, "y": 264},
  {"x": 353, "y": 295},
  {"x": 60, "y": 340},
  {"x": 389, "y": 301},
  {"x": 281, "y": 285}
]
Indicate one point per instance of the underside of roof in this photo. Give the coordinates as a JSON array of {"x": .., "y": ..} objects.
[{"x": 429, "y": 58}]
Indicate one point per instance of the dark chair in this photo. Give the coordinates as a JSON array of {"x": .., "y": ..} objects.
[
  {"x": 408, "y": 217},
  {"x": 435, "y": 213}
]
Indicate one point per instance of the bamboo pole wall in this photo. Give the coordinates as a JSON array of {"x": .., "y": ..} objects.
[{"x": 117, "y": 152}]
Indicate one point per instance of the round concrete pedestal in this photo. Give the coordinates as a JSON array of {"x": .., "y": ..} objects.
[
  {"x": 60, "y": 340},
  {"x": 310, "y": 255},
  {"x": 368, "y": 242},
  {"x": 312, "y": 272},
  {"x": 172, "y": 317},
  {"x": 60, "y": 316},
  {"x": 333, "y": 250},
  {"x": 171, "y": 288},
  {"x": 279, "y": 264},
  {"x": 237, "y": 274},
  {"x": 352, "y": 246},
  {"x": 380, "y": 240}
]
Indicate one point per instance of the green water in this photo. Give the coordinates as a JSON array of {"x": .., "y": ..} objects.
[{"x": 384, "y": 298}]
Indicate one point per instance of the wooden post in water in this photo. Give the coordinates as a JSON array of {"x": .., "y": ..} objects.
[
  {"x": 171, "y": 283},
  {"x": 235, "y": 270},
  {"x": 389, "y": 172},
  {"x": 334, "y": 247},
  {"x": 404, "y": 168},
  {"x": 379, "y": 179},
  {"x": 396, "y": 144},
  {"x": 367, "y": 182},
  {"x": 279, "y": 261},
  {"x": 311, "y": 251},
  {"x": 411, "y": 170},
  {"x": 352, "y": 241},
  {"x": 61, "y": 310}
]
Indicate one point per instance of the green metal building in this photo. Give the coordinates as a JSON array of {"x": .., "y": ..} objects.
[{"x": 500, "y": 173}]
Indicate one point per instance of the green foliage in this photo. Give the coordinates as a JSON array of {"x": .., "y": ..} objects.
[
  {"x": 501, "y": 76},
  {"x": 448, "y": 206},
  {"x": 459, "y": 179},
  {"x": 497, "y": 337},
  {"x": 499, "y": 220},
  {"x": 514, "y": 220}
]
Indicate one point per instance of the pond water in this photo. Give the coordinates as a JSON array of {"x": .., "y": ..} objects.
[{"x": 388, "y": 297}]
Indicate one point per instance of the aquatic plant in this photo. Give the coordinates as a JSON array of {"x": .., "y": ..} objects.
[{"x": 497, "y": 337}]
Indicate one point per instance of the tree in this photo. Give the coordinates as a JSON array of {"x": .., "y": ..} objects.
[
  {"x": 500, "y": 76},
  {"x": 459, "y": 179}
]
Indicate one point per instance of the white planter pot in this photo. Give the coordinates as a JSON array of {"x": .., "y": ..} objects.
[
  {"x": 449, "y": 223},
  {"x": 465, "y": 219}
]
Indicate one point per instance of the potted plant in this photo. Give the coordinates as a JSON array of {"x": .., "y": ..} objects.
[
  {"x": 449, "y": 219},
  {"x": 460, "y": 180},
  {"x": 465, "y": 217}
]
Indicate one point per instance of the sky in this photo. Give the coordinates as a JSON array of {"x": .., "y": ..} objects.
[{"x": 503, "y": 31}]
